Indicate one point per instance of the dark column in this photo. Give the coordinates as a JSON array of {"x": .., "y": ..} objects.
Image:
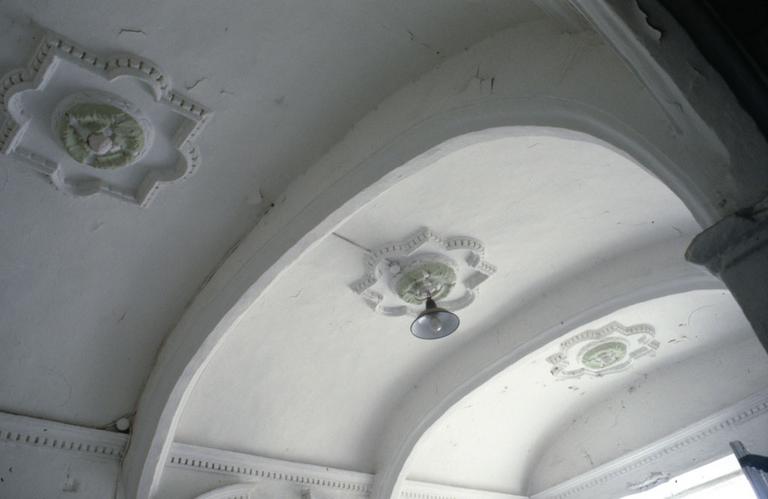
[{"x": 736, "y": 250}]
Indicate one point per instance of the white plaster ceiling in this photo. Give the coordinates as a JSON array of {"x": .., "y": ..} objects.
[
  {"x": 311, "y": 374},
  {"x": 525, "y": 430},
  {"x": 90, "y": 287}
]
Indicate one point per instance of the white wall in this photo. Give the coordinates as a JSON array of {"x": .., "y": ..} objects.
[
  {"x": 38, "y": 473},
  {"x": 43, "y": 460}
]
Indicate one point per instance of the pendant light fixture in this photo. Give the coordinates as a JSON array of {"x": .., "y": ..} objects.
[{"x": 434, "y": 322}]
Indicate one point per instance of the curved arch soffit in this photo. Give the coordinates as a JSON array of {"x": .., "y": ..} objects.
[
  {"x": 205, "y": 324},
  {"x": 390, "y": 478}
]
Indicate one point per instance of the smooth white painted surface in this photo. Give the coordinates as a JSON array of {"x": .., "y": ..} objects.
[
  {"x": 525, "y": 430},
  {"x": 311, "y": 354}
]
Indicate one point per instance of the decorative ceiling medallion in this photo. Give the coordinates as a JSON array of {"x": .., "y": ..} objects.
[
  {"x": 102, "y": 130},
  {"x": 429, "y": 276},
  {"x": 400, "y": 276},
  {"x": 118, "y": 126},
  {"x": 597, "y": 352}
]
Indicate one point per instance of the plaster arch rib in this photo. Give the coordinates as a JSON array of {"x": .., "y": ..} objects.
[
  {"x": 369, "y": 169},
  {"x": 195, "y": 366},
  {"x": 631, "y": 282}
]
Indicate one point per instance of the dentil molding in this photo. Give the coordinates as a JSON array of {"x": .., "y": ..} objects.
[
  {"x": 413, "y": 489},
  {"x": 250, "y": 467},
  {"x": 25, "y": 431},
  {"x": 94, "y": 124},
  {"x": 255, "y": 469},
  {"x": 648, "y": 466},
  {"x": 597, "y": 352},
  {"x": 401, "y": 275}
]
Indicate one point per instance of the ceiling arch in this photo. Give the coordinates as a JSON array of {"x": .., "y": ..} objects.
[
  {"x": 366, "y": 390},
  {"x": 242, "y": 269},
  {"x": 362, "y": 166},
  {"x": 527, "y": 429},
  {"x": 652, "y": 105}
]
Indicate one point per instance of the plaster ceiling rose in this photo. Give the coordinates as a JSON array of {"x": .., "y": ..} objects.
[
  {"x": 94, "y": 124},
  {"x": 597, "y": 352},
  {"x": 401, "y": 275},
  {"x": 102, "y": 130}
]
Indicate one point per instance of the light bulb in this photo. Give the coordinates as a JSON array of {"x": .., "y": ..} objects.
[{"x": 436, "y": 324}]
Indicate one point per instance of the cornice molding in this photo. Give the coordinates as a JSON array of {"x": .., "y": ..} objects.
[
  {"x": 251, "y": 468},
  {"x": 747, "y": 409},
  {"x": 413, "y": 489},
  {"x": 22, "y": 430}
]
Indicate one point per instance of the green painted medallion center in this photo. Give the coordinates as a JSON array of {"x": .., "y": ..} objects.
[
  {"x": 100, "y": 135},
  {"x": 604, "y": 355},
  {"x": 426, "y": 279}
]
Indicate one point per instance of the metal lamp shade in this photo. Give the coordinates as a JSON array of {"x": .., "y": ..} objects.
[{"x": 434, "y": 322}]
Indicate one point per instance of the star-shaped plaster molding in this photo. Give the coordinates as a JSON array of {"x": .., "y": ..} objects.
[
  {"x": 597, "y": 352},
  {"x": 401, "y": 275},
  {"x": 95, "y": 124}
]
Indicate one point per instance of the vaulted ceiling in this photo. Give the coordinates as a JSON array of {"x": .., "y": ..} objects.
[
  {"x": 311, "y": 354},
  {"x": 90, "y": 287},
  {"x": 527, "y": 430},
  {"x": 576, "y": 302}
]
